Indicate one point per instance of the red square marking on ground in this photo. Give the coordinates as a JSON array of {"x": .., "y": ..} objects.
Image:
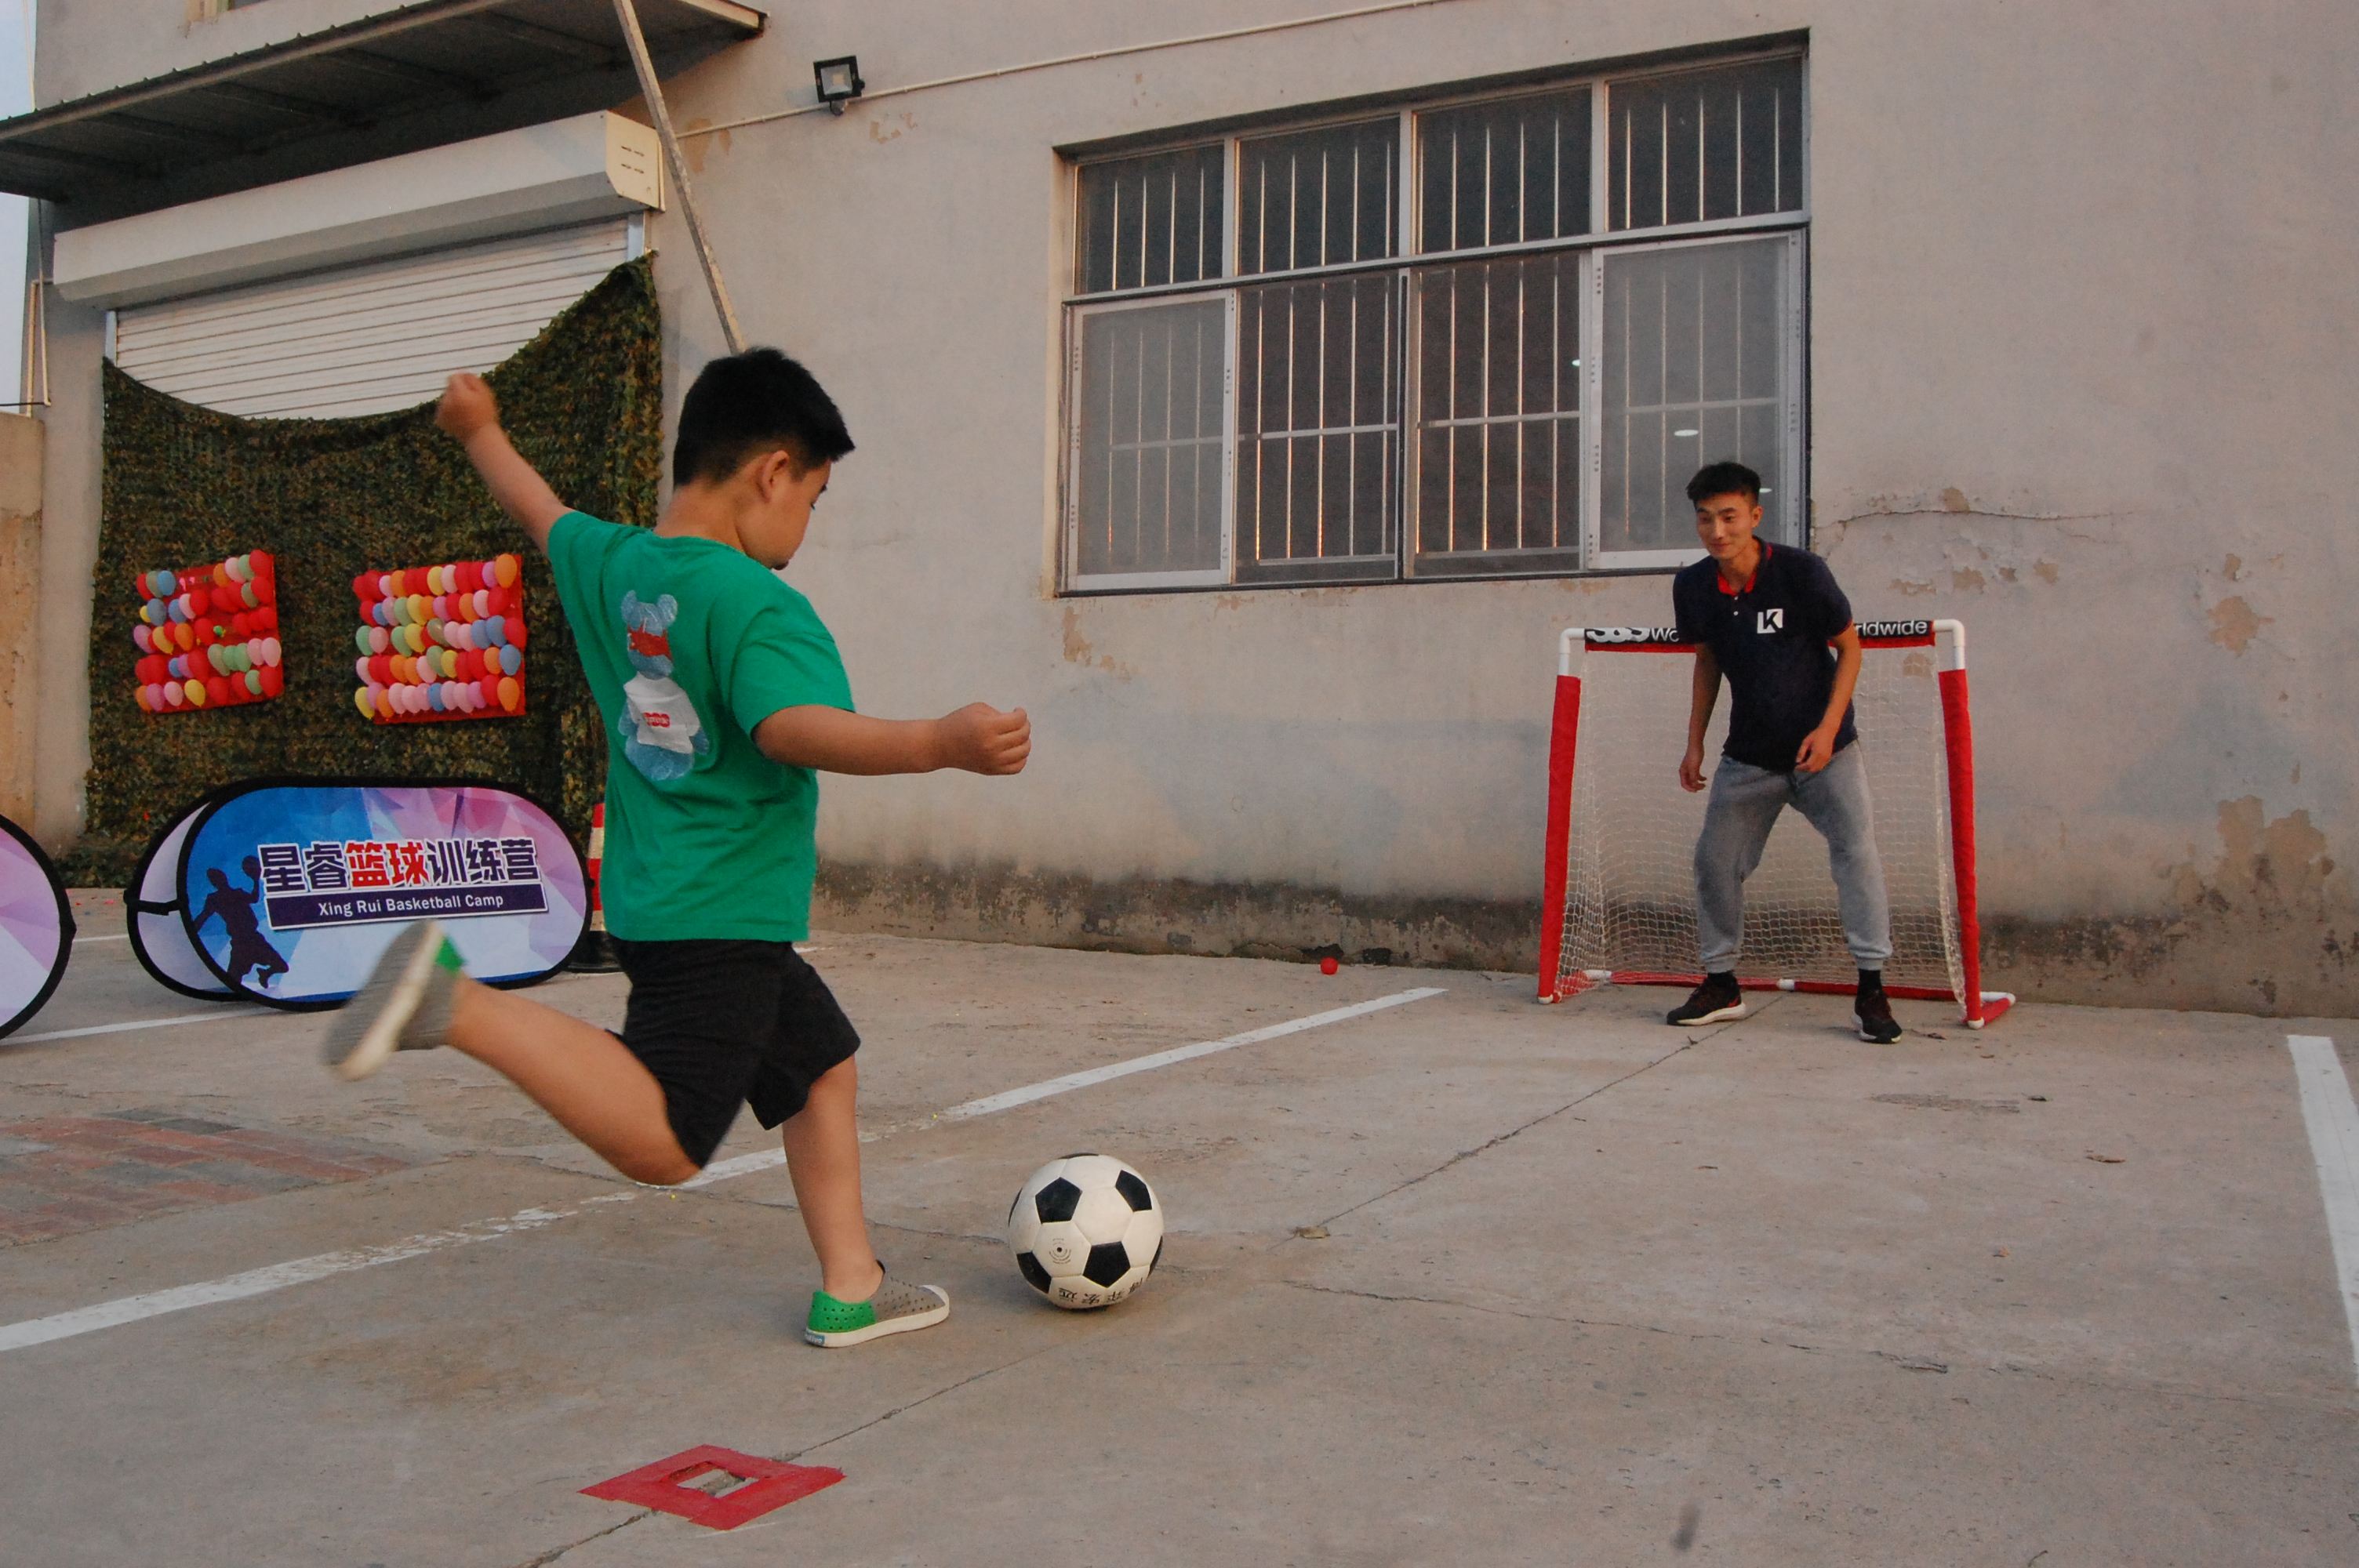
[{"x": 770, "y": 1485}]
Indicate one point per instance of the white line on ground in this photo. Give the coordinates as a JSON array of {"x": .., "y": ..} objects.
[
  {"x": 771, "y": 1159},
  {"x": 2333, "y": 1122},
  {"x": 275, "y": 1277},
  {"x": 135, "y": 1024},
  {"x": 1070, "y": 1081},
  {"x": 324, "y": 1265},
  {"x": 86, "y": 941}
]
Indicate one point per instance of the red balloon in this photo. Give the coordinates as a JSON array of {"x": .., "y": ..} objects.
[
  {"x": 265, "y": 590},
  {"x": 364, "y": 588},
  {"x": 242, "y": 625},
  {"x": 217, "y": 689},
  {"x": 266, "y": 620},
  {"x": 273, "y": 680},
  {"x": 262, "y": 562},
  {"x": 515, "y": 631}
]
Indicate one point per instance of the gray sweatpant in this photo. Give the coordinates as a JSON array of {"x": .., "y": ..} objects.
[{"x": 1744, "y": 806}]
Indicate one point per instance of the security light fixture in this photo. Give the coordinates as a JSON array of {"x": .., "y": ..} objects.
[{"x": 839, "y": 81}]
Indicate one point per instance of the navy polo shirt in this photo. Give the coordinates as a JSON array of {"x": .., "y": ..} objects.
[{"x": 1770, "y": 637}]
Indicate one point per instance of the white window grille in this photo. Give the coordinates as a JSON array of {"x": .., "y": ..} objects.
[
  {"x": 1485, "y": 337},
  {"x": 1701, "y": 353},
  {"x": 1150, "y": 444}
]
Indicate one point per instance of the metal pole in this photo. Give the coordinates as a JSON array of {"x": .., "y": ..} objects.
[{"x": 652, "y": 90}]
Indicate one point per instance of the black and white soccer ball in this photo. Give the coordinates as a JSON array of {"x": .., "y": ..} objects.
[{"x": 1086, "y": 1229}]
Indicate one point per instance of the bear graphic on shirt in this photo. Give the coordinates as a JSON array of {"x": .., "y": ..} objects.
[{"x": 662, "y": 735}]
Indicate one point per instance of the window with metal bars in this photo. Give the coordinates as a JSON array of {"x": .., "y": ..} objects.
[{"x": 1487, "y": 337}]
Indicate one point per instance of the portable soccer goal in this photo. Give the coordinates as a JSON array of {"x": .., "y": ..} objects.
[{"x": 1619, "y": 902}]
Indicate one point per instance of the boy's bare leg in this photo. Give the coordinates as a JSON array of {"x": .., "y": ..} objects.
[
  {"x": 822, "y": 1145},
  {"x": 581, "y": 1075}
]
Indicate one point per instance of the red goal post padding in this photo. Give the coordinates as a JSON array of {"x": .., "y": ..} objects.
[{"x": 1578, "y": 946}]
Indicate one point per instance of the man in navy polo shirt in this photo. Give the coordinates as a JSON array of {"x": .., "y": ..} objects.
[{"x": 1765, "y": 616}]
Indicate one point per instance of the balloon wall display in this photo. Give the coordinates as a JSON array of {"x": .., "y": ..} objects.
[
  {"x": 441, "y": 642},
  {"x": 290, "y": 889},
  {"x": 37, "y": 928},
  {"x": 208, "y": 636}
]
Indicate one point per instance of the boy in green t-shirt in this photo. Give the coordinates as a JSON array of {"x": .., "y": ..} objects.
[{"x": 723, "y": 697}]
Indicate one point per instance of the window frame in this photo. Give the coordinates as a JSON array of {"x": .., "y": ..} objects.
[
  {"x": 1789, "y": 514},
  {"x": 1405, "y": 267},
  {"x": 1223, "y": 576}
]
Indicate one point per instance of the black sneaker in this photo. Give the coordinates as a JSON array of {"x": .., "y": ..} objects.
[
  {"x": 1872, "y": 1016},
  {"x": 1716, "y": 1000}
]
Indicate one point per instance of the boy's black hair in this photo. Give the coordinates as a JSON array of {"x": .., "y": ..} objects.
[
  {"x": 1723, "y": 478},
  {"x": 745, "y": 405}
]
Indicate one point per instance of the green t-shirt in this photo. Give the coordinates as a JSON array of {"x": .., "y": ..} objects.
[{"x": 688, "y": 644}]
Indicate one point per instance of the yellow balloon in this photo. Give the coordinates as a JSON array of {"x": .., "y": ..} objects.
[
  {"x": 360, "y": 700},
  {"x": 196, "y": 690}
]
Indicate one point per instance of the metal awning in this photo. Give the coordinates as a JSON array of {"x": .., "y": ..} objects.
[{"x": 416, "y": 76}]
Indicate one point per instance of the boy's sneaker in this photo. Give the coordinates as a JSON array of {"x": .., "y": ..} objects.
[
  {"x": 403, "y": 1005},
  {"x": 895, "y": 1308},
  {"x": 1716, "y": 1000},
  {"x": 1872, "y": 1016}
]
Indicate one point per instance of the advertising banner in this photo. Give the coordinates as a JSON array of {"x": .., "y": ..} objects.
[
  {"x": 151, "y": 907},
  {"x": 288, "y": 890},
  {"x": 37, "y": 928}
]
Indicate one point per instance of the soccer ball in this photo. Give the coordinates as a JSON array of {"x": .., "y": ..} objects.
[{"x": 1086, "y": 1229}]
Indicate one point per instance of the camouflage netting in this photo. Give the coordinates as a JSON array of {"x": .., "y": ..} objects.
[{"x": 332, "y": 498}]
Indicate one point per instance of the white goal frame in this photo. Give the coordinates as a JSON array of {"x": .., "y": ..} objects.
[{"x": 1958, "y": 899}]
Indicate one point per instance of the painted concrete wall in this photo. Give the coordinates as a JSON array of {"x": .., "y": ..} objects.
[
  {"x": 89, "y": 46},
  {"x": 2077, "y": 279},
  {"x": 21, "y": 617}
]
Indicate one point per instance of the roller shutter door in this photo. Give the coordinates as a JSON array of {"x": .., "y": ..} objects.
[{"x": 367, "y": 338}]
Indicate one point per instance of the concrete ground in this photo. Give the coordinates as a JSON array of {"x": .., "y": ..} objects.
[{"x": 1464, "y": 1278}]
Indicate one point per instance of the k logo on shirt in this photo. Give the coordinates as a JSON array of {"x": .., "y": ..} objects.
[{"x": 1769, "y": 620}]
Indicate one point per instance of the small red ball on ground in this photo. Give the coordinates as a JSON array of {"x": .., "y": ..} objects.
[{"x": 1328, "y": 965}]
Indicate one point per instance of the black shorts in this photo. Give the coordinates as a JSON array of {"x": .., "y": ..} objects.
[{"x": 725, "y": 1023}]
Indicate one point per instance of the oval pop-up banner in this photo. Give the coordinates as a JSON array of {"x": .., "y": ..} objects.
[
  {"x": 290, "y": 889},
  {"x": 151, "y": 907},
  {"x": 37, "y": 928}
]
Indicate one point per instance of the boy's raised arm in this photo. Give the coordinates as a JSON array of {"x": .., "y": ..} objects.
[
  {"x": 978, "y": 738},
  {"x": 468, "y": 412}
]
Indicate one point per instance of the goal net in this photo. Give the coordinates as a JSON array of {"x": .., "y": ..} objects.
[{"x": 1619, "y": 904}]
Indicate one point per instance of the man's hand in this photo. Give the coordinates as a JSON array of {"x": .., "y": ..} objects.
[
  {"x": 1691, "y": 770},
  {"x": 981, "y": 739},
  {"x": 1818, "y": 749},
  {"x": 467, "y": 407}
]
